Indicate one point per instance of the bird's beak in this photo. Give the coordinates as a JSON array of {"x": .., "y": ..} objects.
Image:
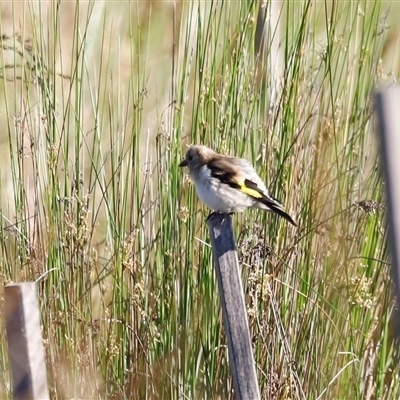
[{"x": 183, "y": 163}]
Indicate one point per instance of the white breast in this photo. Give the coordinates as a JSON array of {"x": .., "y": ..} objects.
[{"x": 219, "y": 196}]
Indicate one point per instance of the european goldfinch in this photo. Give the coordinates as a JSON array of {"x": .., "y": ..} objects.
[{"x": 228, "y": 184}]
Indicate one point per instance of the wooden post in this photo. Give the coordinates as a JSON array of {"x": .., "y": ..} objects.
[
  {"x": 387, "y": 106},
  {"x": 233, "y": 308},
  {"x": 25, "y": 347}
]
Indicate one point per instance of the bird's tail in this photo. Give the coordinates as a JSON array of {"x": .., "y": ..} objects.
[{"x": 273, "y": 205}]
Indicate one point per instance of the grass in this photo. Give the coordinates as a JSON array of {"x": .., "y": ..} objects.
[{"x": 98, "y": 103}]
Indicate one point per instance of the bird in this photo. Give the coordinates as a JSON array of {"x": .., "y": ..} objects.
[{"x": 228, "y": 184}]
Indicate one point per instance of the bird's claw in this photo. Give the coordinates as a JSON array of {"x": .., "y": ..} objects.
[
  {"x": 216, "y": 213},
  {"x": 211, "y": 215}
]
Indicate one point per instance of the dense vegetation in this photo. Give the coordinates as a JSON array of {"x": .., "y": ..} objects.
[{"x": 98, "y": 101}]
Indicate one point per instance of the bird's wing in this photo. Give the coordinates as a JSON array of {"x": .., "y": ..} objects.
[
  {"x": 231, "y": 174},
  {"x": 239, "y": 174}
]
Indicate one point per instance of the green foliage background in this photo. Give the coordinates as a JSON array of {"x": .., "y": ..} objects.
[{"x": 98, "y": 101}]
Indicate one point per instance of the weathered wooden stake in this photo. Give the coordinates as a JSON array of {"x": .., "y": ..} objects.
[
  {"x": 25, "y": 347},
  {"x": 387, "y": 105},
  {"x": 233, "y": 308}
]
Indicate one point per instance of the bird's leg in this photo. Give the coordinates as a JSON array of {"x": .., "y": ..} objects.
[
  {"x": 216, "y": 213},
  {"x": 211, "y": 215}
]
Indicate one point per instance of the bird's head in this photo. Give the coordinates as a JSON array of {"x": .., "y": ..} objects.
[{"x": 196, "y": 157}]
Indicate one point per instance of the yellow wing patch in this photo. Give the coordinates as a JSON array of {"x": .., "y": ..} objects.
[
  {"x": 250, "y": 192},
  {"x": 248, "y": 187}
]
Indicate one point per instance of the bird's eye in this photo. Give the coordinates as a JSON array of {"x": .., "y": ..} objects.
[{"x": 190, "y": 157}]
